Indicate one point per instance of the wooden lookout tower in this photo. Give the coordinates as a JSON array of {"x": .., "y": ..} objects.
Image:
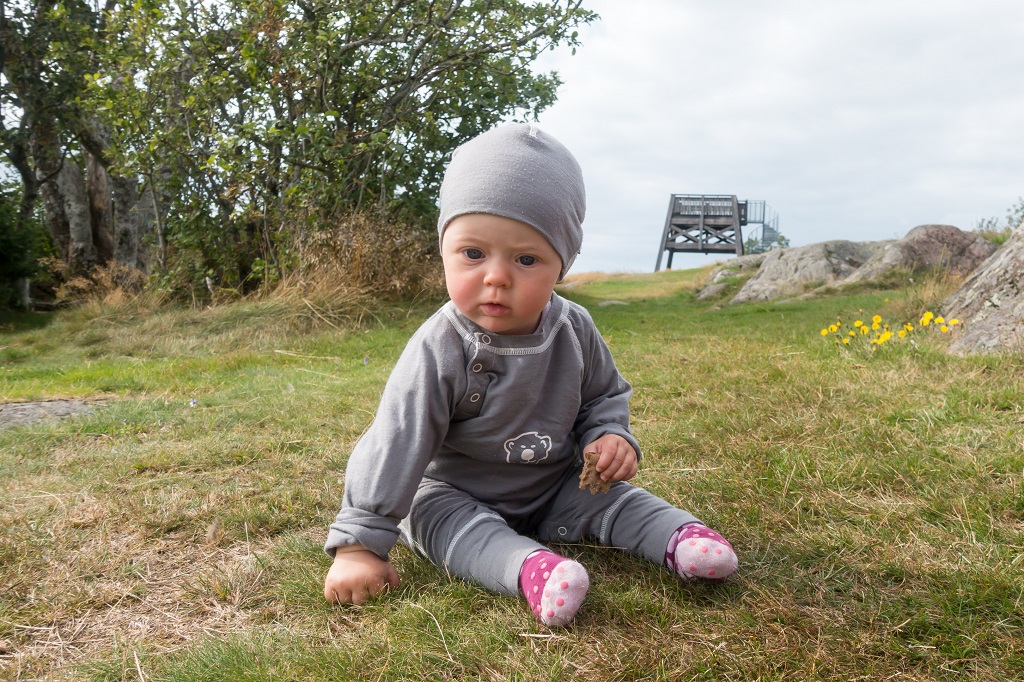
[{"x": 707, "y": 223}]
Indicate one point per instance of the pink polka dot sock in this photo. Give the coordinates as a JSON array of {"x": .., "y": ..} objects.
[
  {"x": 696, "y": 551},
  {"x": 554, "y": 586}
]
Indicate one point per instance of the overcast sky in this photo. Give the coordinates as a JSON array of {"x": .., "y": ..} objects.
[{"x": 853, "y": 119}]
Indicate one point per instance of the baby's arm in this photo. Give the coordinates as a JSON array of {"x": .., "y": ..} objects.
[
  {"x": 358, "y": 575},
  {"x": 604, "y": 408},
  {"x": 384, "y": 472},
  {"x": 618, "y": 461}
]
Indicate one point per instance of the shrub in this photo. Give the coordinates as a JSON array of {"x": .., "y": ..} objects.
[
  {"x": 996, "y": 232},
  {"x": 20, "y": 245}
]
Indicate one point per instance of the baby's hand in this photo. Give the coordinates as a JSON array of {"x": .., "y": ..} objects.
[
  {"x": 358, "y": 575},
  {"x": 618, "y": 458}
]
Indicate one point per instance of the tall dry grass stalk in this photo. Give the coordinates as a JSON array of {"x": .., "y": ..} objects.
[
  {"x": 371, "y": 254},
  {"x": 925, "y": 290},
  {"x": 341, "y": 274}
]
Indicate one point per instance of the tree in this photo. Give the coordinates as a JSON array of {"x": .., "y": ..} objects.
[
  {"x": 35, "y": 92},
  {"x": 54, "y": 141},
  {"x": 214, "y": 137},
  {"x": 755, "y": 243},
  {"x": 260, "y": 121}
]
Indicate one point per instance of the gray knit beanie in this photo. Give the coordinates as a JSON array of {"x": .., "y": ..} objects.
[{"x": 519, "y": 172}]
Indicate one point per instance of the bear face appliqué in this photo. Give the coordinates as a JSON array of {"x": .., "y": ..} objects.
[{"x": 527, "y": 448}]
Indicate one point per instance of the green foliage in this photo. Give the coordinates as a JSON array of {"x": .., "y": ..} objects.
[
  {"x": 21, "y": 243},
  {"x": 45, "y": 57},
  {"x": 261, "y": 122},
  {"x": 997, "y": 231},
  {"x": 755, "y": 244}
]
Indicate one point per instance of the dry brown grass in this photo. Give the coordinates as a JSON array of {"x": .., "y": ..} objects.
[
  {"x": 106, "y": 582},
  {"x": 925, "y": 290},
  {"x": 371, "y": 254},
  {"x": 114, "y": 281},
  {"x": 875, "y": 500},
  {"x": 159, "y": 592}
]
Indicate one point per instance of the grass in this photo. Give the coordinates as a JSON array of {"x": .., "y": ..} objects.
[{"x": 875, "y": 500}]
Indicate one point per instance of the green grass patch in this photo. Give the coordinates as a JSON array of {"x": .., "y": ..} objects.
[{"x": 874, "y": 496}]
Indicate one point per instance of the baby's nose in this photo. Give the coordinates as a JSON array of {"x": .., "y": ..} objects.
[{"x": 497, "y": 274}]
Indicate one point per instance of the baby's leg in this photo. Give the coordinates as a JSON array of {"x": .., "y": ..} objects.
[
  {"x": 641, "y": 523},
  {"x": 465, "y": 538}
]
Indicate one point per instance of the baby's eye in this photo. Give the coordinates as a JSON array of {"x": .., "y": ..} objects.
[
  {"x": 527, "y": 260},
  {"x": 474, "y": 254}
]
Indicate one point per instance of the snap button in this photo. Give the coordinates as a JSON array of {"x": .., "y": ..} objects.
[
  {"x": 477, "y": 367},
  {"x": 474, "y": 398},
  {"x": 485, "y": 339},
  {"x": 562, "y": 530}
]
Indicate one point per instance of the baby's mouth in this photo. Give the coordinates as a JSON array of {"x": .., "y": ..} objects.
[{"x": 495, "y": 309}]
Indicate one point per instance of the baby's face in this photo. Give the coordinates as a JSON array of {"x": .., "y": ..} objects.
[{"x": 500, "y": 272}]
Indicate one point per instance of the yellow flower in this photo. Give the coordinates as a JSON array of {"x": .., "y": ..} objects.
[
  {"x": 876, "y": 326},
  {"x": 943, "y": 329},
  {"x": 876, "y": 319},
  {"x": 833, "y": 328},
  {"x": 954, "y": 321},
  {"x": 864, "y": 330},
  {"x": 847, "y": 340},
  {"x": 824, "y": 332},
  {"x": 902, "y": 333},
  {"x": 939, "y": 320},
  {"x": 857, "y": 323},
  {"x": 853, "y": 333}
]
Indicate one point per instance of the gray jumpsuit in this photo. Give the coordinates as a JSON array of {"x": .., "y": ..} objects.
[{"x": 475, "y": 449}]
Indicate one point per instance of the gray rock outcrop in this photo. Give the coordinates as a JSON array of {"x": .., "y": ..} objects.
[
  {"x": 717, "y": 280},
  {"x": 789, "y": 272},
  {"x": 786, "y": 273},
  {"x": 990, "y": 303},
  {"x": 20, "y": 414},
  {"x": 942, "y": 246}
]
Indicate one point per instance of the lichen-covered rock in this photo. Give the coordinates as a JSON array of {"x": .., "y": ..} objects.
[
  {"x": 789, "y": 272},
  {"x": 800, "y": 271},
  {"x": 21, "y": 414},
  {"x": 737, "y": 266},
  {"x": 711, "y": 291},
  {"x": 926, "y": 246},
  {"x": 743, "y": 266},
  {"x": 990, "y": 303}
]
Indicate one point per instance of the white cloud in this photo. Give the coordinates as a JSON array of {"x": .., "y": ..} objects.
[{"x": 854, "y": 119}]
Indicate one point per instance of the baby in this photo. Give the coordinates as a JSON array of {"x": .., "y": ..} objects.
[{"x": 474, "y": 456}]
